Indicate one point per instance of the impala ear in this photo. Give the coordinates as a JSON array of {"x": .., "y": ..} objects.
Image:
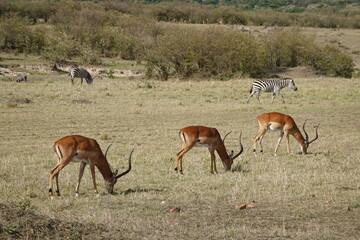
[{"x": 231, "y": 153}]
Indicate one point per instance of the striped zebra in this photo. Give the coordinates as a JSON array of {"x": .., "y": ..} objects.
[
  {"x": 273, "y": 86},
  {"x": 80, "y": 73}
]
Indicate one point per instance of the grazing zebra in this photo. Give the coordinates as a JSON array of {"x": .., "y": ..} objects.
[
  {"x": 273, "y": 86},
  {"x": 80, "y": 73}
]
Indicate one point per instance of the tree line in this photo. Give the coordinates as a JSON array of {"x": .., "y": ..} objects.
[{"x": 89, "y": 31}]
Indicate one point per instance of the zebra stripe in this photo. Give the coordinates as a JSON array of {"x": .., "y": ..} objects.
[
  {"x": 80, "y": 73},
  {"x": 273, "y": 86}
]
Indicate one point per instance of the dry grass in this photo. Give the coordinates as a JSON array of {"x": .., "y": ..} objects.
[{"x": 315, "y": 196}]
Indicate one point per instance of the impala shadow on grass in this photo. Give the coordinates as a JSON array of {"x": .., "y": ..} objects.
[
  {"x": 312, "y": 153},
  {"x": 140, "y": 190}
]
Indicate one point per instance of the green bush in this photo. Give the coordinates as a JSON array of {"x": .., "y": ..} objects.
[
  {"x": 157, "y": 66},
  {"x": 334, "y": 61},
  {"x": 15, "y": 34},
  {"x": 60, "y": 48},
  {"x": 90, "y": 31},
  {"x": 205, "y": 52}
]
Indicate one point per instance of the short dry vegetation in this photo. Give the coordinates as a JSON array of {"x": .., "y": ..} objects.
[{"x": 314, "y": 196}]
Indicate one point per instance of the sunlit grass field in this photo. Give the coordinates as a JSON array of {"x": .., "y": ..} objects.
[{"x": 314, "y": 196}]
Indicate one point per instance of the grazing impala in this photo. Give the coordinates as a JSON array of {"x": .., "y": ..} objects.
[
  {"x": 77, "y": 148},
  {"x": 286, "y": 125},
  {"x": 199, "y": 136}
]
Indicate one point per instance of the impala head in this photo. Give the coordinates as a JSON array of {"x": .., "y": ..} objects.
[
  {"x": 231, "y": 157},
  {"x": 307, "y": 142},
  {"x": 292, "y": 85},
  {"x": 109, "y": 184}
]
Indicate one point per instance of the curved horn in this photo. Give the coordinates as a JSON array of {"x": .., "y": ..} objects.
[
  {"x": 226, "y": 136},
  {"x": 241, "y": 148},
  {"x": 122, "y": 174},
  {"x": 316, "y": 134},
  {"x": 306, "y": 135},
  {"x": 107, "y": 149}
]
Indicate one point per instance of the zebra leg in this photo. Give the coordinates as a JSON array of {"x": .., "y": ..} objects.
[
  {"x": 81, "y": 81},
  {"x": 258, "y": 96},
  {"x": 251, "y": 94},
  {"x": 282, "y": 97},
  {"x": 273, "y": 97},
  {"x": 72, "y": 81}
]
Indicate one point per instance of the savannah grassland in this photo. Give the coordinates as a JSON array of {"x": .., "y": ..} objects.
[{"x": 314, "y": 196}]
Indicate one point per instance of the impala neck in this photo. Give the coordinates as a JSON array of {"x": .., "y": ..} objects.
[
  {"x": 221, "y": 150},
  {"x": 301, "y": 140},
  {"x": 105, "y": 169}
]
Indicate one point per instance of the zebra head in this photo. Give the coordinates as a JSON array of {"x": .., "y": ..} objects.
[
  {"x": 291, "y": 84},
  {"x": 307, "y": 142}
]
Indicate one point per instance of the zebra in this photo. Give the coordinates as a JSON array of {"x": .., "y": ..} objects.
[
  {"x": 273, "y": 86},
  {"x": 80, "y": 73}
]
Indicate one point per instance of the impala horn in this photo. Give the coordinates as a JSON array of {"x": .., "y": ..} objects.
[
  {"x": 122, "y": 174},
  {"x": 307, "y": 136},
  {"x": 226, "y": 136},
  {"x": 241, "y": 148},
  {"x": 107, "y": 149}
]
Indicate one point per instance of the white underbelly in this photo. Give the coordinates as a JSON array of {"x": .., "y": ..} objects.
[
  {"x": 201, "y": 145},
  {"x": 74, "y": 159},
  {"x": 276, "y": 127}
]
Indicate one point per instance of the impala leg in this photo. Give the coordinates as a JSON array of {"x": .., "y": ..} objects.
[
  {"x": 57, "y": 181},
  {"x": 179, "y": 156},
  {"x": 178, "y": 165},
  {"x": 57, "y": 184},
  {"x": 92, "y": 169},
  {"x": 258, "y": 136},
  {"x": 177, "y": 161},
  {"x": 260, "y": 142},
  {"x": 213, "y": 162},
  {"x": 81, "y": 173},
  {"x": 55, "y": 173},
  {"x": 279, "y": 140},
  {"x": 287, "y": 141}
]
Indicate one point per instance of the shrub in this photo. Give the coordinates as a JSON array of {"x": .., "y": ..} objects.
[
  {"x": 334, "y": 61},
  {"x": 157, "y": 65},
  {"x": 204, "y": 52},
  {"x": 60, "y": 48},
  {"x": 16, "y": 35}
]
